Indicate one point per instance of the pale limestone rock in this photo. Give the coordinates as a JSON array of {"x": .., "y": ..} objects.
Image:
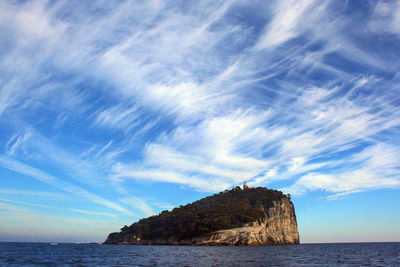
[{"x": 279, "y": 226}]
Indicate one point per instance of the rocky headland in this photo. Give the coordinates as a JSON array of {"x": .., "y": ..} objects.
[{"x": 238, "y": 217}]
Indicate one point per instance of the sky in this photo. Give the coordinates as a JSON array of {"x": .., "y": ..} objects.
[{"x": 112, "y": 111}]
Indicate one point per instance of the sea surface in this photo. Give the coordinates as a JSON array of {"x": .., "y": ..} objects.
[{"x": 348, "y": 254}]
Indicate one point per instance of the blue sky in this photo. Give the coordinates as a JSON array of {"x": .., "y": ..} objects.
[{"x": 115, "y": 111}]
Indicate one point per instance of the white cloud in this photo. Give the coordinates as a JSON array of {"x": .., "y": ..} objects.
[
  {"x": 156, "y": 175},
  {"x": 347, "y": 182},
  {"x": 118, "y": 116},
  {"x": 47, "y": 195},
  {"x": 386, "y": 17},
  {"x": 27, "y": 203},
  {"x": 342, "y": 195},
  {"x": 92, "y": 212},
  {"x": 296, "y": 163},
  {"x": 139, "y": 204},
  {"x": 33, "y": 23},
  {"x": 57, "y": 183},
  {"x": 223, "y": 151},
  {"x": 17, "y": 143},
  {"x": 12, "y": 208},
  {"x": 378, "y": 170},
  {"x": 396, "y": 19},
  {"x": 285, "y": 23},
  {"x": 30, "y": 193}
]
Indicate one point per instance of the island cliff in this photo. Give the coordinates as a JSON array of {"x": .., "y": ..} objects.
[{"x": 253, "y": 216}]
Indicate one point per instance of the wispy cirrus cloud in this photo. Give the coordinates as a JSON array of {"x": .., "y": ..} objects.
[
  {"x": 57, "y": 183},
  {"x": 17, "y": 204},
  {"x": 31, "y": 193},
  {"x": 287, "y": 21},
  {"x": 386, "y": 17},
  {"x": 89, "y": 212},
  {"x": 12, "y": 208},
  {"x": 139, "y": 204}
]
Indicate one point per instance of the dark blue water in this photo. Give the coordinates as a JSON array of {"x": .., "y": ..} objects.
[{"x": 43, "y": 254}]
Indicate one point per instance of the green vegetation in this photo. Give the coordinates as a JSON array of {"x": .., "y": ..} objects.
[{"x": 229, "y": 209}]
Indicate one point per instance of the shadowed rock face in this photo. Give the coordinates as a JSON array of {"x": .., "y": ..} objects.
[{"x": 277, "y": 227}]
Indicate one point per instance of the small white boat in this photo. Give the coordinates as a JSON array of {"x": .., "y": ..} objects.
[{"x": 54, "y": 244}]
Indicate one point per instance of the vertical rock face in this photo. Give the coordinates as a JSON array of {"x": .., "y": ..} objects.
[
  {"x": 278, "y": 227},
  {"x": 274, "y": 222}
]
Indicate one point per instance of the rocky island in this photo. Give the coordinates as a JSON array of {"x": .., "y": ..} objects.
[{"x": 238, "y": 217}]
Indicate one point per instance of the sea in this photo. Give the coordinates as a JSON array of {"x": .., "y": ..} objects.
[{"x": 63, "y": 254}]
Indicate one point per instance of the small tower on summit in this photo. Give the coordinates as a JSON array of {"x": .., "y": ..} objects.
[{"x": 245, "y": 186}]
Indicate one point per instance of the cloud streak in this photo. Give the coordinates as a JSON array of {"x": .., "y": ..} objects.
[{"x": 43, "y": 177}]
